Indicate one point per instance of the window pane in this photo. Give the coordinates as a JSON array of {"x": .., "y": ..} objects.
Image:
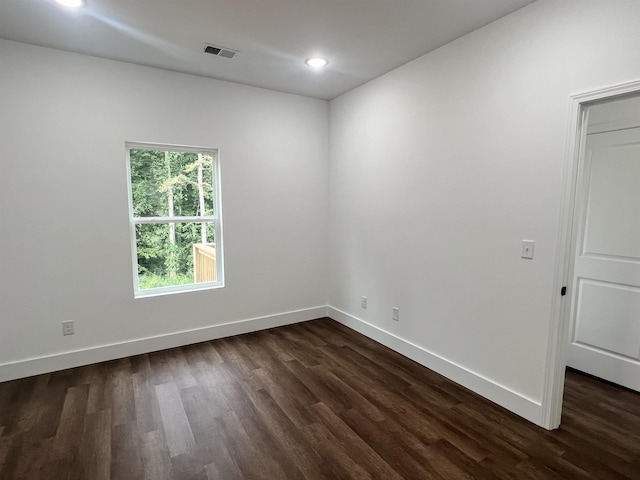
[
  {"x": 169, "y": 183},
  {"x": 172, "y": 254}
]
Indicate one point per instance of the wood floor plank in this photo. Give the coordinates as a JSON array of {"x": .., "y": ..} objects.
[
  {"x": 49, "y": 407},
  {"x": 97, "y": 379},
  {"x": 391, "y": 444},
  {"x": 336, "y": 460},
  {"x": 284, "y": 435},
  {"x": 315, "y": 380},
  {"x": 233, "y": 399},
  {"x": 291, "y": 395},
  {"x": 94, "y": 454},
  {"x": 5, "y": 442},
  {"x": 357, "y": 449},
  {"x": 123, "y": 398},
  {"x": 180, "y": 368},
  {"x": 209, "y": 352},
  {"x": 145, "y": 404},
  {"x": 287, "y": 466},
  {"x": 25, "y": 420},
  {"x": 160, "y": 367},
  {"x": 251, "y": 460},
  {"x": 308, "y": 401},
  {"x": 174, "y": 420},
  {"x": 349, "y": 395},
  {"x": 126, "y": 463},
  {"x": 449, "y": 461},
  {"x": 215, "y": 471},
  {"x": 70, "y": 431},
  {"x": 154, "y": 455}
]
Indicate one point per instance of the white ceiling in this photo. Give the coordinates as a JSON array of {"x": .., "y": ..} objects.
[{"x": 362, "y": 39}]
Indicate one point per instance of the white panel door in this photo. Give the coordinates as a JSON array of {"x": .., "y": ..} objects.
[{"x": 605, "y": 314}]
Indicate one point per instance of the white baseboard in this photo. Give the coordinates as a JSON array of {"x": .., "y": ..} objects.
[
  {"x": 516, "y": 403},
  {"x": 503, "y": 396},
  {"x": 101, "y": 353}
]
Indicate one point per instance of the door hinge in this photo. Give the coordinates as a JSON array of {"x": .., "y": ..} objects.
[{"x": 563, "y": 291}]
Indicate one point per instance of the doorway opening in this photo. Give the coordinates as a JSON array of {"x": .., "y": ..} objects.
[{"x": 595, "y": 240}]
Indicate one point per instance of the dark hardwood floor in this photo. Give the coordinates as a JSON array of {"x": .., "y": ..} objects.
[{"x": 312, "y": 400}]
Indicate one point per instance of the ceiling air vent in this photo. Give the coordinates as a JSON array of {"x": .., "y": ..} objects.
[{"x": 220, "y": 51}]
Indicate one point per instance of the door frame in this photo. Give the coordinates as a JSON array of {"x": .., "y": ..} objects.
[{"x": 558, "y": 339}]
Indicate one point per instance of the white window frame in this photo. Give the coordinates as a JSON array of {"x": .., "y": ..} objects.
[{"x": 215, "y": 219}]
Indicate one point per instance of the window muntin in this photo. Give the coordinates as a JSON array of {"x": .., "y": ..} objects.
[{"x": 174, "y": 207}]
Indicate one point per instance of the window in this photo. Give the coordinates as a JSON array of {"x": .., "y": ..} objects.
[{"x": 174, "y": 213}]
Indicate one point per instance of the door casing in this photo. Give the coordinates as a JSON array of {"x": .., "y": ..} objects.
[{"x": 559, "y": 325}]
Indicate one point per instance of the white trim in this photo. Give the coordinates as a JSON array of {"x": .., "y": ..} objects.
[
  {"x": 170, "y": 147},
  {"x": 132, "y": 227},
  {"x": 499, "y": 394},
  {"x": 503, "y": 396},
  {"x": 147, "y": 220},
  {"x": 593, "y": 129},
  {"x": 187, "y": 287},
  {"x": 60, "y": 361},
  {"x": 553, "y": 388}
]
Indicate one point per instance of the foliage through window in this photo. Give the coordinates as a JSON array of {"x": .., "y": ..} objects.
[{"x": 174, "y": 204}]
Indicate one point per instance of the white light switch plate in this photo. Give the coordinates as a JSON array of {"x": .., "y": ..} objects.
[{"x": 527, "y": 248}]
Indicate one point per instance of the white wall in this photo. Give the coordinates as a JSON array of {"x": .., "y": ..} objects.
[
  {"x": 64, "y": 228},
  {"x": 440, "y": 168}
]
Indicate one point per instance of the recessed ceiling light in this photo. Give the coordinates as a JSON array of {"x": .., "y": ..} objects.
[
  {"x": 72, "y": 3},
  {"x": 317, "y": 62}
]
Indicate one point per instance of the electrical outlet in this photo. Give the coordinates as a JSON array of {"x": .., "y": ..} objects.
[
  {"x": 363, "y": 302},
  {"x": 395, "y": 314},
  {"x": 67, "y": 328}
]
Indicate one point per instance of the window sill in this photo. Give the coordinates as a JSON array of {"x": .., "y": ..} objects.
[{"x": 192, "y": 287}]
